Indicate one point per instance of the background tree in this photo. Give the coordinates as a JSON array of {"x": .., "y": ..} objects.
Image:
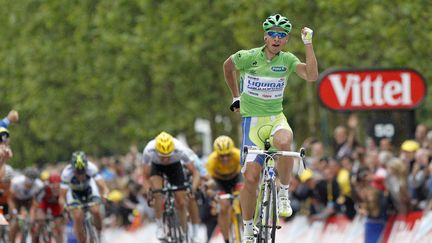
[{"x": 100, "y": 75}]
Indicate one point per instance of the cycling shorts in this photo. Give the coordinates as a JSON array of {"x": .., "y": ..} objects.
[
  {"x": 229, "y": 186},
  {"x": 256, "y": 130},
  {"x": 26, "y": 204},
  {"x": 174, "y": 173}
]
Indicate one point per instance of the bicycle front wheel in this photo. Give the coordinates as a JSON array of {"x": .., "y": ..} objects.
[
  {"x": 91, "y": 232},
  {"x": 236, "y": 228},
  {"x": 274, "y": 214},
  {"x": 174, "y": 233},
  {"x": 267, "y": 211}
]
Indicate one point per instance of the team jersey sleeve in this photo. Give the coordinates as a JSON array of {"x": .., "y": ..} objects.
[
  {"x": 39, "y": 194},
  {"x": 14, "y": 184},
  {"x": 146, "y": 156},
  {"x": 242, "y": 59},
  {"x": 210, "y": 165},
  {"x": 66, "y": 177},
  {"x": 93, "y": 171},
  {"x": 187, "y": 155},
  {"x": 198, "y": 164}
]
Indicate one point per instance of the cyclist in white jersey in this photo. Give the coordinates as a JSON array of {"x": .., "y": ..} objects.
[
  {"x": 24, "y": 190},
  {"x": 164, "y": 156},
  {"x": 264, "y": 73},
  {"x": 81, "y": 183}
]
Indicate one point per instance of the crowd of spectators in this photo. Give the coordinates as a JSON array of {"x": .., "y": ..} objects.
[{"x": 375, "y": 179}]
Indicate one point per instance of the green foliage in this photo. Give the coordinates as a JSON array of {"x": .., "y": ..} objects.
[{"x": 100, "y": 75}]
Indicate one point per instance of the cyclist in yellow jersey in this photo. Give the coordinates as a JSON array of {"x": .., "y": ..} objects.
[{"x": 223, "y": 166}]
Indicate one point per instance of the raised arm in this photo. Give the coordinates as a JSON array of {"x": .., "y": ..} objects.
[{"x": 309, "y": 70}]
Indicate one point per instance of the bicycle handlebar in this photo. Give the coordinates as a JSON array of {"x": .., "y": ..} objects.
[
  {"x": 301, "y": 154},
  {"x": 84, "y": 205},
  {"x": 170, "y": 189},
  {"x": 226, "y": 196}
]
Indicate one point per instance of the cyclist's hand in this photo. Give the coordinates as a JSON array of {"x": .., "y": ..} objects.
[
  {"x": 147, "y": 194},
  {"x": 13, "y": 116},
  {"x": 105, "y": 198},
  {"x": 306, "y": 35},
  {"x": 235, "y": 106}
]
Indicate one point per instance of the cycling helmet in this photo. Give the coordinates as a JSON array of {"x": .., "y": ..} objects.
[
  {"x": 164, "y": 143},
  {"x": 277, "y": 20},
  {"x": 223, "y": 145},
  {"x": 31, "y": 173},
  {"x": 54, "y": 177},
  {"x": 4, "y": 134},
  {"x": 44, "y": 175},
  {"x": 79, "y": 160},
  {"x": 115, "y": 196}
]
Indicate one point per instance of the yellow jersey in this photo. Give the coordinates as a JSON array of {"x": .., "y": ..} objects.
[{"x": 224, "y": 171}]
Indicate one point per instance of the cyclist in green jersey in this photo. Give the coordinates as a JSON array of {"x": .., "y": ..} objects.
[{"x": 264, "y": 72}]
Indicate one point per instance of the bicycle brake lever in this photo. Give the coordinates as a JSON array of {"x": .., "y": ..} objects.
[
  {"x": 245, "y": 149},
  {"x": 303, "y": 155}
]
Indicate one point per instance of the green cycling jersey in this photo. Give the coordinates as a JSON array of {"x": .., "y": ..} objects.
[{"x": 263, "y": 81}]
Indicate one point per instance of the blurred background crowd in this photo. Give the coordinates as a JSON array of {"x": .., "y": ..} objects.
[{"x": 371, "y": 178}]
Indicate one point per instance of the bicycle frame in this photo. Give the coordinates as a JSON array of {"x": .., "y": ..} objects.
[
  {"x": 46, "y": 232},
  {"x": 90, "y": 230},
  {"x": 91, "y": 233},
  {"x": 266, "y": 212},
  {"x": 24, "y": 225},
  {"x": 236, "y": 219},
  {"x": 170, "y": 218}
]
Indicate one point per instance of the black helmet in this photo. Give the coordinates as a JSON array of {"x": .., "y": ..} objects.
[
  {"x": 79, "y": 160},
  {"x": 31, "y": 173}
]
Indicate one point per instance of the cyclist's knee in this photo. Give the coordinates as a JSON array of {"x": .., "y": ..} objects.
[
  {"x": 252, "y": 175},
  {"x": 180, "y": 200},
  {"x": 95, "y": 210},
  {"x": 78, "y": 215},
  {"x": 282, "y": 140},
  {"x": 157, "y": 196}
]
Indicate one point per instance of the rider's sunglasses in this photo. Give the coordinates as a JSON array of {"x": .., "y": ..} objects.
[
  {"x": 164, "y": 156},
  {"x": 224, "y": 156},
  {"x": 274, "y": 34}
]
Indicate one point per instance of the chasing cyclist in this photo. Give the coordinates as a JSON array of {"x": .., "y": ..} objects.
[
  {"x": 264, "y": 73},
  {"x": 224, "y": 167},
  {"x": 81, "y": 184},
  {"x": 164, "y": 156},
  {"x": 49, "y": 205},
  {"x": 22, "y": 199}
]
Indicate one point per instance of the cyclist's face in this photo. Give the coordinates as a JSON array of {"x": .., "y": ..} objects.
[
  {"x": 164, "y": 158},
  {"x": 28, "y": 183},
  {"x": 55, "y": 187},
  {"x": 273, "y": 41},
  {"x": 225, "y": 158},
  {"x": 81, "y": 176}
]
